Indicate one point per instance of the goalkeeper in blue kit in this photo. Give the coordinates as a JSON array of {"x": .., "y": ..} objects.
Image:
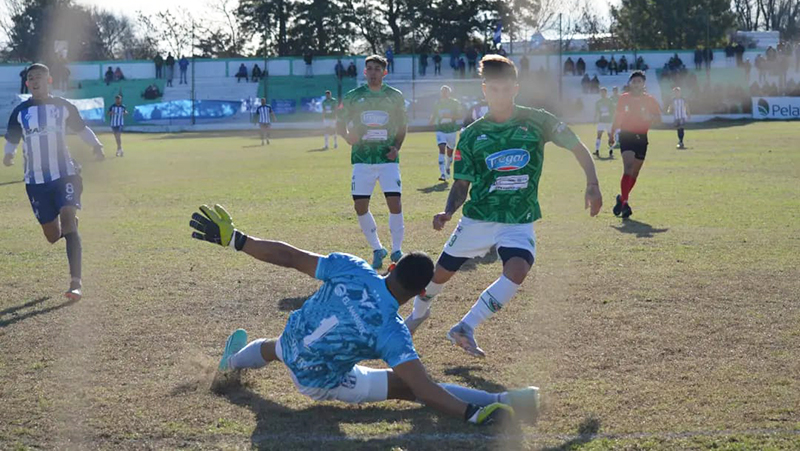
[{"x": 352, "y": 317}]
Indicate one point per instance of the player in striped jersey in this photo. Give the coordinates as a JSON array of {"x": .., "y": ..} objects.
[
  {"x": 265, "y": 119},
  {"x": 680, "y": 111},
  {"x": 51, "y": 179},
  {"x": 117, "y": 113}
]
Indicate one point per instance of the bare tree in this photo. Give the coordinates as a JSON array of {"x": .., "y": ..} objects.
[
  {"x": 115, "y": 32},
  {"x": 173, "y": 29}
]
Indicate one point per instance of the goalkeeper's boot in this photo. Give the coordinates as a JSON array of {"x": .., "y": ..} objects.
[
  {"x": 525, "y": 400},
  {"x": 377, "y": 258},
  {"x": 462, "y": 335},
  {"x": 396, "y": 256},
  {"x": 235, "y": 343},
  {"x": 414, "y": 323}
]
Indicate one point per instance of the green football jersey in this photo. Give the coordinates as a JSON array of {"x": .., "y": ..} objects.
[
  {"x": 445, "y": 114},
  {"x": 376, "y": 117},
  {"x": 503, "y": 161},
  {"x": 329, "y": 107},
  {"x": 604, "y": 111}
]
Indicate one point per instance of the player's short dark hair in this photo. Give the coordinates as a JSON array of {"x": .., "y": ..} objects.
[
  {"x": 414, "y": 271},
  {"x": 327, "y": 92},
  {"x": 376, "y": 59},
  {"x": 497, "y": 67},
  {"x": 637, "y": 73},
  {"x": 37, "y": 66},
  {"x": 117, "y": 97}
]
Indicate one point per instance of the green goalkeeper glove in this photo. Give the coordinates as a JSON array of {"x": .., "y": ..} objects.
[
  {"x": 492, "y": 414},
  {"x": 217, "y": 227}
]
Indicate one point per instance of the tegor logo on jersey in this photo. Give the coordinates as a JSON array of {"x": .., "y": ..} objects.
[
  {"x": 763, "y": 107},
  {"x": 374, "y": 118},
  {"x": 508, "y": 160}
]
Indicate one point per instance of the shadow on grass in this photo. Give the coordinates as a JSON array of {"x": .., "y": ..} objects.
[
  {"x": 437, "y": 188},
  {"x": 292, "y": 304},
  {"x": 641, "y": 229},
  {"x": 12, "y": 183},
  {"x": 320, "y": 426},
  {"x": 587, "y": 431},
  {"x": 601, "y": 158},
  {"x": 464, "y": 373},
  {"x": 10, "y": 316},
  {"x": 319, "y": 149}
]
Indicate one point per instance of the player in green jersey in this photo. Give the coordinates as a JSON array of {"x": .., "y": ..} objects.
[
  {"x": 604, "y": 116},
  {"x": 329, "y": 118},
  {"x": 445, "y": 114},
  {"x": 373, "y": 121},
  {"x": 500, "y": 156}
]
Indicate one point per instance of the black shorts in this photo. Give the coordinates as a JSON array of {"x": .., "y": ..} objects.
[{"x": 634, "y": 142}]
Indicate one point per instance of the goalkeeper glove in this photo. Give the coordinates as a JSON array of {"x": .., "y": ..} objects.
[
  {"x": 487, "y": 415},
  {"x": 216, "y": 226}
]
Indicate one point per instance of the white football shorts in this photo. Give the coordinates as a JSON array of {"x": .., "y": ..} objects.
[
  {"x": 473, "y": 238},
  {"x": 365, "y": 176},
  {"x": 449, "y": 139}
]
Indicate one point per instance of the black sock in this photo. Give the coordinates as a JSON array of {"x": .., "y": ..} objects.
[
  {"x": 74, "y": 251},
  {"x": 680, "y": 134}
]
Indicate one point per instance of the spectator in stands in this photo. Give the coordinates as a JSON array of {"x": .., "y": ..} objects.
[
  {"x": 339, "y": 69},
  {"x": 761, "y": 64},
  {"x": 569, "y": 67},
  {"x": 580, "y": 66},
  {"x": 623, "y": 64},
  {"x": 109, "y": 76},
  {"x": 772, "y": 55},
  {"x": 730, "y": 53},
  {"x": 640, "y": 65},
  {"x": 170, "y": 63},
  {"x": 595, "y": 84},
  {"x": 613, "y": 68},
  {"x": 586, "y": 84},
  {"x": 118, "y": 75},
  {"x": 423, "y": 62},
  {"x": 472, "y": 59},
  {"x": 23, "y": 77},
  {"x": 256, "y": 74},
  {"x": 437, "y": 64},
  {"x": 241, "y": 73},
  {"x": 602, "y": 64},
  {"x": 524, "y": 65},
  {"x": 389, "y": 59},
  {"x": 308, "y": 58},
  {"x": 708, "y": 57},
  {"x": 159, "y": 61},
  {"x": 739, "y": 51},
  {"x": 698, "y": 59},
  {"x": 747, "y": 68},
  {"x": 351, "y": 70},
  {"x": 151, "y": 92},
  {"x": 455, "y": 52},
  {"x": 183, "y": 65},
  {"x": 462, "y": 67}
]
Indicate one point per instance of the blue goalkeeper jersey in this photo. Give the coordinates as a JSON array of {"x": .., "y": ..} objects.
[{"x": 352, "y": 317}]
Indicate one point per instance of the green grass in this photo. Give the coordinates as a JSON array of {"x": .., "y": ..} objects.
[{"x": 677, "y": 329}]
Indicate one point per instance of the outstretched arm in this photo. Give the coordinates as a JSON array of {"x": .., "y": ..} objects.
[
  {"x": 593, "y": 198},
  {"x": 216, "y": 226}
]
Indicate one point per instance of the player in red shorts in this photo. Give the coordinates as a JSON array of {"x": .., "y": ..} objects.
[{"x": 636, "y": 112}]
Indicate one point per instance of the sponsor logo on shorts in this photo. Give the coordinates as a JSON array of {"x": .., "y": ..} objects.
[
  {"x": 374, "y": 118},
  {"x": 508, "y": 160}
]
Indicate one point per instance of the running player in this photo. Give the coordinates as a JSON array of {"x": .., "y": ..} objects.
[
  {"x": 501, "y": 156},
  {"x": 51, "y": 178},
  {"x": 680, "y": 111},
  {"x": 636, "y": 111},
  {"x": 265, "y": 119},
  {"x": 329, "y": 118},
  {"x": 373, "y": 121},
  {"x": 117, "y": 113},
  {"x": 615, "y": 99},
  {"x": 351, "y": 318},
  {"x": 604, "y": 116},
  {"x": 445, "y": 114}
]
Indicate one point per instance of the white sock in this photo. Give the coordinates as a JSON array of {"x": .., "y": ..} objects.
[
  {"x": 370, "y": 229},
  {"x": 249, "y": 356},
  {"x": 492, "y": 299},
  {"x": 326, "y": 140},
  {"x": 398, "y": 229},
  {"x": 597, "y": 145},
  {"x": 473, "y": 396},
  {"x": 441, "y": 164},
  {"x": 423, "y": 303}
]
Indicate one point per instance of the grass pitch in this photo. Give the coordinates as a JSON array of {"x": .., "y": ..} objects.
[{"x": 677, "y": 329}]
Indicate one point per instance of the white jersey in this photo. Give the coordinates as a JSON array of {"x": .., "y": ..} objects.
[
  {"x": 117, "y": 115},
  {"x": 41, "y": 125},
  {"x": 679, "y": 109},
  {"x": 264, "y": 112}
]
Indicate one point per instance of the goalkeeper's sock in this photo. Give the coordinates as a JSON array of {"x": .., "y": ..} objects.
[
  {"x": 423, "y": 303},
  {"x": 74, "y": 252},
  {"x": 249, "y": 357},
  {"x": 370, "y": 229},
  {"x": 473, "y": 396},
  {"x": 492, "y": 299}
]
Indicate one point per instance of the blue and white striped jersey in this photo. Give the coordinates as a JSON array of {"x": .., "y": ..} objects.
[
  {"x": 679, "y": 109},
  {"x": 42, "y": 126},
  {"x": 352, "y": 317},
  {"x": 117, "y": 115},
  {"x": 263, "y": 112}
]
